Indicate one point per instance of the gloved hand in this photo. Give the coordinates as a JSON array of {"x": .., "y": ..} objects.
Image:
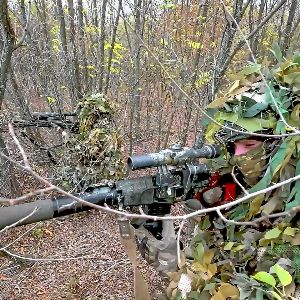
[{"x": 162, "y": 254}]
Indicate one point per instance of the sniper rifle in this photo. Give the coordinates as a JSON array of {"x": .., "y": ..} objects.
[{"x": 179, "y": 176}]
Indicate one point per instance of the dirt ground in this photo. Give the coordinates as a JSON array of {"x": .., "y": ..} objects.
[{"x": 90, "y": 261}]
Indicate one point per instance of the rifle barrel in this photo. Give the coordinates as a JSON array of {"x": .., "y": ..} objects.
[{"x": 52, "y": 208}]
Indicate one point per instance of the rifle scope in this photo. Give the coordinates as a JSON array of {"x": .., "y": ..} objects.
[{"x": 174, "y": 156}]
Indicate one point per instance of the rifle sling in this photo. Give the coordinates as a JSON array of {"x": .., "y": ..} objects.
[{"x": 141, "y": 291}]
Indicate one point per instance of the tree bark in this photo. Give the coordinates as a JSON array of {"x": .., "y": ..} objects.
[
  {"x": 43, "y": 18},
  {"x": 7, "y": 178},
  {"x": 75, "y": 65},
  {"x": 101, "y": 45},
  {"x": 226, "y": 44},
  {"x": 95, "y": 13},
  {"x": 137, "y": 66},
  {"x": 62, "y": 27},
  {"x": 202, "y": 12},
  {"x": 113, "y": 41},
  {"x": 24, "y": 109},
  {"x": 7, "y": 49},
  {"x": 8, "y": 183},
  {"x": 224, "y": 56},
  {"x": 82, "y": 43},
  {"x": 255, "y": 39},
  {"x": 288, "y": 27}
]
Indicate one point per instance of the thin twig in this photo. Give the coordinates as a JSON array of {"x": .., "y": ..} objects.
[
  {"x": 17, "y": 142},
  {"x": 18, "y": 238},
  {"x": 258, "y": 27},
  {"x": 232, "y": 221},
  {"x": 178, "y": 242},
  {"x": 19, "y": 221},
  {"x": 22, "y": 198},
  {"x": 255, "y": 222},
  {"x": 150, "y": 217},
  {"x": 277, "y": 215},
  {"x": 47, "y": 259},
  {"x": 107, "y": 209},
  {"x": 238, "y": 183},
  {"x": 114, "y": 265}
]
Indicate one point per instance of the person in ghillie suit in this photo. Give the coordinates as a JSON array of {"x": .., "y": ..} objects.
[
  {"x": 232, "y": 256},
  {"x": 93, "y": 150}
]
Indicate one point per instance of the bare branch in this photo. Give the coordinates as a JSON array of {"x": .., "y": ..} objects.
[
  {"x": 261, "y": 219},
  {"x": 17, "y": 142},
  {"x": 232, "y": 221},
  {"x": 238, "y": 183},
  {"x": 245, "y": 7},
  {"x": 254, "y": 31},
  {"x": 246, "y": 40},
  {"x": 22, "y": 198},
  {"x": 107, "y": 209},
  {"x": 114, "y": 265},
  {"x": 178, "y": 242},
  {"x": 19, "y": 221},
  {"x": 58, "y": 259},
  {"x": 265, "y": 20},
  {"x": 19, "y": 237},
  {"x": 25, "y": 28}
]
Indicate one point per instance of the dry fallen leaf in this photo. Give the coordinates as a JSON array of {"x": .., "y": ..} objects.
[
  {"x": 3, "y": 277},
  {"x": 225, "y": 291}
]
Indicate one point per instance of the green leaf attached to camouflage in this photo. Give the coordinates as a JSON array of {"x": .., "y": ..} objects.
[
  {"x": 265, "y": 278},
  {"x": 283, "y": 275}
]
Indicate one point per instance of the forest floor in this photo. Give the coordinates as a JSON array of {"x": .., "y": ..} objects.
[{"x": 105, "y": 273}]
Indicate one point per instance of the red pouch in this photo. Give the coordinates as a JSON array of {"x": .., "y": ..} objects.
[{"x": 229, "y": 192}]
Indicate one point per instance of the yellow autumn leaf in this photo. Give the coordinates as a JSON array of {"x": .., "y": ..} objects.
[
  {"x": 219, "y": 102},
  {"x": 226, "y": 291},
  {"x": 255, "y": 206},
  {"x": 228, "y": 246},
  {"x": 208, "y": 256},
  {"x": 198, "y": 267},
  {"x": 212, "y": 269},
  {"x": 238, "y": 248},
  {"x": 234, "y": 86},
  {"x": 290, "y": 231}
]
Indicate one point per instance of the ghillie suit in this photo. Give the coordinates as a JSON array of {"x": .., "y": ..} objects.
[
  {"x": 93, "y": 152},
  {"x": 242, "y": 261}
]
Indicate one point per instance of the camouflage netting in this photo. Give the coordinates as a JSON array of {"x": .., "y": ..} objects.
[
  {"x": 93, "y": 153},
  {"x": 228, "y": 261}
]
